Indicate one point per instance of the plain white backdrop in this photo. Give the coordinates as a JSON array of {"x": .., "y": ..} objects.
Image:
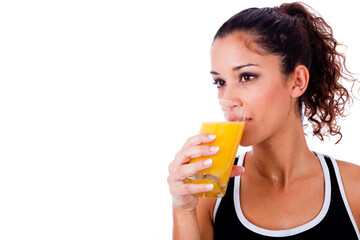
[{"x": 96, "y": 97}]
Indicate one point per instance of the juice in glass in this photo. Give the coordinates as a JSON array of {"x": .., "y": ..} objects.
[{"x": 228, "y": 136}]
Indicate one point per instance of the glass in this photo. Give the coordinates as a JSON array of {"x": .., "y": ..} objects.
[{"x": 228, "y": 137}]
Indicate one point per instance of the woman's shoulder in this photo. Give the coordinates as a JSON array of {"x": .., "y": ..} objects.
[
  {"x": 350, "y": 173},
  {"x": 350, "y": 176}
]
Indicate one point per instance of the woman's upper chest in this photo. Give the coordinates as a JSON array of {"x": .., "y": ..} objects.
[{"x": 269, "y": 206}]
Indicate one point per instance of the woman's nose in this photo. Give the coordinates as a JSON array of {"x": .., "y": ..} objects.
[
  {"x": 230, "y": 94},
  {"x": 232, "y": 110},
  {"x": 228, "y": 105}
]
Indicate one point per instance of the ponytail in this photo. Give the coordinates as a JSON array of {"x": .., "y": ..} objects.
[
  {"x": 325, "y": 98},
  {"x": 300, "y": 37}
]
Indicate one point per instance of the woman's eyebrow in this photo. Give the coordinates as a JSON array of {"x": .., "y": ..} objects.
[
  {"x": 242, "y": 66},
  {"x": 236, "y": 68},
  {"x": 214, "y": 73}
]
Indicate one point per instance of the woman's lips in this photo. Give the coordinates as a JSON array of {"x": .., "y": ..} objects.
[{"x": 247, "y": 121}]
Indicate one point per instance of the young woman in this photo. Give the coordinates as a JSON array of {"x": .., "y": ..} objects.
[{"x": 280, "y": 64}]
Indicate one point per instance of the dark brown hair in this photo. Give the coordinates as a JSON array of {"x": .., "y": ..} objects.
[{"x": 295, "y": 34}]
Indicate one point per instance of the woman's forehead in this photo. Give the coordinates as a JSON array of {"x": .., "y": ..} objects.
[{"x": 233, "y": 51}]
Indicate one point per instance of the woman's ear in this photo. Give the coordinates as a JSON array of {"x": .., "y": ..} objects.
[{"x": 300, "y": 81}]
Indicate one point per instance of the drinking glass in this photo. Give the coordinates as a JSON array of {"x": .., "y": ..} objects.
[{"x": 228, "y": 137}]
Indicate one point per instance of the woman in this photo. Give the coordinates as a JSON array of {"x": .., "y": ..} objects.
[{"x": 280, "y": 64}]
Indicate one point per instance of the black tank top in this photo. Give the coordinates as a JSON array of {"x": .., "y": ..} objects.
[{"x": 335, "y": 220}]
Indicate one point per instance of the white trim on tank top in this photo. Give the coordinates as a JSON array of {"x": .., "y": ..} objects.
[{"x": 286, "y": 232}]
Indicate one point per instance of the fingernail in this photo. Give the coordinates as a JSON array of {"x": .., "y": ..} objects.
[
  {"x": 243, "y": 169},
  {"x": 209, "y": 186},
  {"x": 214, "y": 149},
  {"x": 212, "y": 137},
  {"x": 208, "y": 162}
]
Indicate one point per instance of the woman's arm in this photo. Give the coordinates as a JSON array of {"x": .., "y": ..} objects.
[
  {"x": 185, "y": 211},
  {"x": 185, "y": 225},
  {"x": 195, "y": 224},
  {"x": 192, "y": 216},
  {"x": 205, "y": 211}
]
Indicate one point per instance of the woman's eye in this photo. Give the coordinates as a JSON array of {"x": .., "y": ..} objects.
[
  {"x": 246, "y": 77},
  {"x": 219, "y": 83}
]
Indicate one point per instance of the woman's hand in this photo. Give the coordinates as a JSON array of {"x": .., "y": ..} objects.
[{"x": 179, "y": 169}]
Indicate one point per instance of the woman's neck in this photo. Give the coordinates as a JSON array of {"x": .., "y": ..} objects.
[{"x": 282, "y": 158}]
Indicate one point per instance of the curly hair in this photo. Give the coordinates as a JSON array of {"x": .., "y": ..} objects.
[{"x": 295, "y": 34}]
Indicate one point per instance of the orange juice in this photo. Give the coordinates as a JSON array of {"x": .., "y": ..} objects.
[{"x": 228, "y": 136}]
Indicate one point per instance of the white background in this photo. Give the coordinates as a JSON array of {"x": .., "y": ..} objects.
[{"x": 96, "y": 97}]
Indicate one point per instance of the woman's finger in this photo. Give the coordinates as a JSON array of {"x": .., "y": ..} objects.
[
  {"x": 237, "y": 170},
  {"x": 190, "y": 152},
  {"x": 199, "y": 139},
  {"x": 188, "y": 170},
  {"x": 190, "y": 188}
]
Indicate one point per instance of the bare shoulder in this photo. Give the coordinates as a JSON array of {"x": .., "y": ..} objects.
[{"x": 350, "y": 175}]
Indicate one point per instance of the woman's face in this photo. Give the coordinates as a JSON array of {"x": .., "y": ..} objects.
[{"x": 255, "y": 82}]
